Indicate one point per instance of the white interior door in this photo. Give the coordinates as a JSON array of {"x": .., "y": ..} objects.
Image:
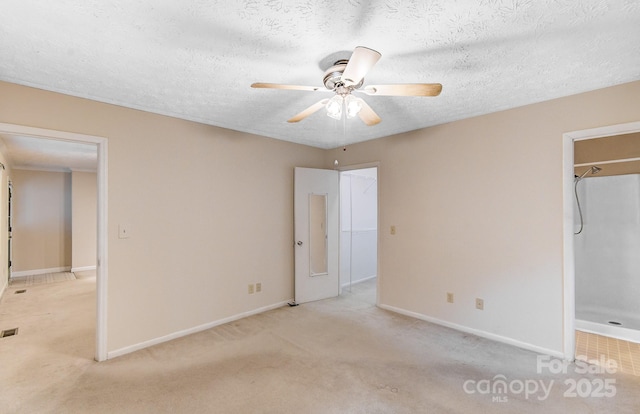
[{"x": 316, "y": 228}]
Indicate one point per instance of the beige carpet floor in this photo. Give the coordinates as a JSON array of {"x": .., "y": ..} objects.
[{"x": 341, "y": 355}]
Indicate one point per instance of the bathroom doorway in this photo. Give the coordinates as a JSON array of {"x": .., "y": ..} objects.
[{"x": 601, "y": 196}]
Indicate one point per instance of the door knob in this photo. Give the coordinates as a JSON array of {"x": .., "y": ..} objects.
[{"x": 299, "y": 243}]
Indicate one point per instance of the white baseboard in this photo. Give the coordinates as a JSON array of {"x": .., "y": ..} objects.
[
  {"x": 40, "y": 271},
  {"x": 477, "y": 332},
  {"x": 344, "y": 285},
  {"x": 83, "y": 268},
  {"x": 195, "y": 329}
]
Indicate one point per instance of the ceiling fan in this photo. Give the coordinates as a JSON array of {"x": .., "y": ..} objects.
[{"x": 347, "y": 76}]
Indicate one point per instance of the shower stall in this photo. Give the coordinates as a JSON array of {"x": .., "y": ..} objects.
[{"x": 607, "y": 254}]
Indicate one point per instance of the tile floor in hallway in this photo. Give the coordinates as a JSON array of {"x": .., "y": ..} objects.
[{"x": 30, "y": 280}]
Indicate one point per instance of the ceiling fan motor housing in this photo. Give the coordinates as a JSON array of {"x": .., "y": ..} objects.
[{"x": 333, "y": 75}]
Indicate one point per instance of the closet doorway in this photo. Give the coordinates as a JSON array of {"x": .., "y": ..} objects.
[{"x": 359, "y": 232}]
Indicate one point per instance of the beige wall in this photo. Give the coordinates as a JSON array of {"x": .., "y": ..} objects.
[
  {"x": 477, "y": 205},
  {"x": 479, "y": 212},
  {"x": 41, "y": 221},
  {"x": 209, "y": 211},
  {"x": 84, "y": 220}
]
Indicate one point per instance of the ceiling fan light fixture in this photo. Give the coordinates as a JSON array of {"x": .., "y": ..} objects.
[
  {"x": 334, "y": 107},
  {"x": 353, "y": 105}
]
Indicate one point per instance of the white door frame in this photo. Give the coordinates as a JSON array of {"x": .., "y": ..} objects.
[
  {"x": 569, "y": 278},
  {"x": 102, "y": 234},
  {"x": 374, "y": 164}
]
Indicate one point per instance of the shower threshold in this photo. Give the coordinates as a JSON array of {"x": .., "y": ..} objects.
[{"x": 610, "y": 330}]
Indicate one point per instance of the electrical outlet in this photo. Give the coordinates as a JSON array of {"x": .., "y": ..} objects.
[
  {"x": 258, "y": 287},
  {"x": 250, "y": 290},
  {"x": 449, "y": 297},
  {"x": 393, "y": 230},
  {"x": 479, "y": 304}
]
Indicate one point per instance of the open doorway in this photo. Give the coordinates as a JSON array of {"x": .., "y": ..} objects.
[
  {"x": 359, "y": 233},
  {"x": 98, "y": 145},
  {"x": 579, "y": 174}
]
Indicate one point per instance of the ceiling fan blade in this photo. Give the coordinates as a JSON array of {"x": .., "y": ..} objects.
[
  {"x": 290, "y": 87},
  {"x": 360, "y": 62},
  {"x": 406, "y": 89},
  {"x": 367, "y": 115},
  {"x": 310, "y": 110}
]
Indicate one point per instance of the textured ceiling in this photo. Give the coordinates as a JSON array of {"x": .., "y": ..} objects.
[{"x": 195, "y": 59}]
